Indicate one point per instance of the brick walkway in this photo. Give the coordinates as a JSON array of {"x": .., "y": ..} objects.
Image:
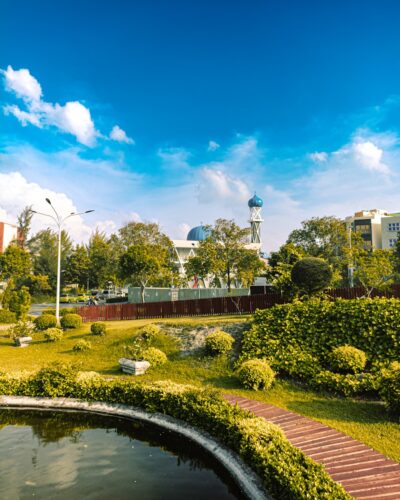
[{"x": 363, "y": 472}]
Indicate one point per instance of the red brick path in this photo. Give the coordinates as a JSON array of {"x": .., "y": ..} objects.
[{"x": 363, "y": 472}]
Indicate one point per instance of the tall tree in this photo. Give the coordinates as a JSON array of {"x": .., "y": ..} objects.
[
  {"x": 280, "y": 266},
  {"x": 374, "y": 270},
  {"x": 137, "y": 233},
  {"x": 77, "y": 266},
  {"x": 103, "y": 264},
  {"x": 15, "y": 263},
  {"x": 24, "y": 225}
]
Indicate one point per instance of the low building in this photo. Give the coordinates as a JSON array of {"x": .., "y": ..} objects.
[{"x": 8, "y": 234}]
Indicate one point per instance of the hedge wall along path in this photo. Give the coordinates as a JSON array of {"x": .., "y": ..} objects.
[{"x": 317, "y": 326}]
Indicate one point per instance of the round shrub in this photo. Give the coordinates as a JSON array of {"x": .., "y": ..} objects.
[
  {"x": 311, "y": 275},
  {"x": 82, "y": 345},
  {"x": 256, "y": 374},
  {"x": 154, "y": 356},
  {"x": 347, "y": 359},
  {"x": 45, "y": 321},
  {"x": 148, "y": 332},
  {"x": 53, "y": 334},
  {"x": 98, "y": 328},
  {"x": 218, "y": 343},
  {"x": 71, "y": 321},
  {"x": 7, "y": 316}
]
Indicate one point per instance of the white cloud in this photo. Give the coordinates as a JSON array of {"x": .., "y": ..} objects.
[
  {"x": 183, "y": 230},
  {"x": 369, "y": 156},
  {"x": 319, "y": 156},
  {"x": 73, "y": 118},
  {"x": 213, "y": 146},
  {"x": 217, "y": 186},
  {"x": 22, "y": 83},
  {"x": 106, "y": 226},
  {"x": 174, "y": 158},
  {"x": 119, "y": 135}
]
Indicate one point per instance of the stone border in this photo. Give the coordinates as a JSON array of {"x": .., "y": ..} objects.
[{"x": 247, "y": 480}]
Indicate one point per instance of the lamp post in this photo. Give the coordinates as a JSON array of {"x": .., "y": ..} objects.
[{"x": 59, "y": 222}]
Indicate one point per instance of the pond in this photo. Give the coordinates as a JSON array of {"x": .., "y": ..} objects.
[{"x": 64, "y": 455}]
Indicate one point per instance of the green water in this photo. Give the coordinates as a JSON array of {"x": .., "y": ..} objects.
[{"x": 68, "y": 455}]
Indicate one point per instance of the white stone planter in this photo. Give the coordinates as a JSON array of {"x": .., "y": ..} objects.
[
  {"x": 23, "y": 341},
  {"x": 133, "y": 367}
]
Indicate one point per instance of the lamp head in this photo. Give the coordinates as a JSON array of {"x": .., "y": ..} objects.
[
  {"x": 88, "y": 211},
  {"x": 48, "y": 201}
]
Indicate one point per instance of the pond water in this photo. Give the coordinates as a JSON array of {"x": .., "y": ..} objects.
[{"x": 67, "y": 455}]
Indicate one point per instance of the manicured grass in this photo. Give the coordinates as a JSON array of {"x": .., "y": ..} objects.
[{"x": 366, "y": 421}]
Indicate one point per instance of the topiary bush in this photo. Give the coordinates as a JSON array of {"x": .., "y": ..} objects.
[
  {"x": 7, "y": 317},
  {"x": 71, "y": 321},
  {"x": 218, "y": 343},
  {"x": 82, "y": 345},
  {"x": 256, "y": 374},
  {"x": 347, "y": 359},
  {"x": 148, "y": 332},
  {"x": 98, "y": 328},
  {"x": 154, "y": 356},
  {"x": 53, "y": 334},
  {"x": 311, "y": 275},
  {"x": 45, "y": 321}
]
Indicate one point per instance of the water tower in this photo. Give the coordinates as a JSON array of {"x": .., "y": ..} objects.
[{"x": 255, "y": 204}]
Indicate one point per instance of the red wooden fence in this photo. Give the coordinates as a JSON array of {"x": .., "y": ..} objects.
[{"x": 208, "y": 307}]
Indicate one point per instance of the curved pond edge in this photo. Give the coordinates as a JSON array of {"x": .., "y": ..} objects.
[{"x": 241, "y": 473}]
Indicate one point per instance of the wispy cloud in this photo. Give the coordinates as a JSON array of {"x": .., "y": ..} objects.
[{"x": 119, "y": 135}]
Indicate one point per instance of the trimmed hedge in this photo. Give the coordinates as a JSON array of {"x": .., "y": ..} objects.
[
  {"x": 154, "y": 356},
  {"x": 7, "y": 316},
  {"x": 45, "y": 321},
  {"x": 256, "y": 374},
  {"x": 71, "y": 321},
  {"x": 53, "y": 334},
  {"x": 390, "y": 387},
  {"x": 286, "y": 472},
  {"x": 98, "y": 329},
  {"x": 218, "y": 343}
]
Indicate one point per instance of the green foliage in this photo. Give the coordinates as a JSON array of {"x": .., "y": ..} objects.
[
  {"x": 53, "y": 334},
  {"x": 78, "y": 266},
  {"x": 285, "y": 471},
  {"x": 279, "y": 270},
  {"x": 374, "y": 270},
  {"x": 7, "y": 316},
  {"x": 45, "y": 321},
  {"x": 298, "y": 339},
  {"x": 82, "y": 346},
  {"x": 15, "y": 263},
  {"x": 98, "y": 328},
  {"x": 24, "y": 224},
  {"x": 63, "y": 312},
  {"x": 311, "y": 275},
  {"x": 390, "y": 388},
  {"x": 148, "y": 332},
  {"x": 256, "y": 374},
  {"x": 154, "y": 356},
  {"x": 20, "y": 302},
  {"x": 218, "y": 343},
  {"x": 71, "y": 321},
  {"x": 348, "y": 359},
  {"x": 20, "y": 329},
  {"x": 37, "y": 284}
]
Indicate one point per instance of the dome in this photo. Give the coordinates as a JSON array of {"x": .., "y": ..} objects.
[
  {"x": 197, "y": 233},
  {"x": 256, "y": 201}
]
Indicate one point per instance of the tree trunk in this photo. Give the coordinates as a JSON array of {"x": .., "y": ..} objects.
[
  {"x": 229, "y": 278},
  {"x": 142, "y": 289}
]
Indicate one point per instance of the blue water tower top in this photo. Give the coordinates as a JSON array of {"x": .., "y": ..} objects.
[
  {"x": 197, "y": 233},
  {"x": 256, "y": 201}
]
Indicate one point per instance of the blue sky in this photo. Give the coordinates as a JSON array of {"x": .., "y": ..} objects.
[{"x": 177, "y": 111}]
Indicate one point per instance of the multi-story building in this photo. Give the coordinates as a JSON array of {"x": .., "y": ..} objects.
[
  {"x": 378, "y": 228},
  {"x": 8, "y": 234}
]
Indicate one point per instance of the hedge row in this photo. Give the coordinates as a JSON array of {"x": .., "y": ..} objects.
[{"x": 286, "y": 472}]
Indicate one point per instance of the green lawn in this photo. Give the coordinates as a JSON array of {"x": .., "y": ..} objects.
[{"x": 366, "y": 421}]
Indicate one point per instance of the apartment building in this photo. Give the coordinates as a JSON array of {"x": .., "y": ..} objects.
[{"x": 378, "y": 228}]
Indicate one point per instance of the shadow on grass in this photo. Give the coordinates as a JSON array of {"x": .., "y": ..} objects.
[
  {"x": 224, "y": 382},
  {"x": 367, "y": 412}
]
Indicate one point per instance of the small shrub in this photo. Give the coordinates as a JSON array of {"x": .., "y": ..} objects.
[
  {"x": 7, "y": 317},
  {"x": 20, "y": 329},
  {"x": 45, "y": 321},
  {"x": 154, "y": 356},
  {"x": 148, "y": 332},
  {"x": 348, "y": 359},
  {"x": 98, "y": 329},
  {"x": 218, "y": 343},
  {"x": 71, "y": 321},
  {"x": 53, "y": 334},
  {"x": 82, "y": 345},
  {"x": 256, "y": 374},
  {"x": 390, "y": 387}
]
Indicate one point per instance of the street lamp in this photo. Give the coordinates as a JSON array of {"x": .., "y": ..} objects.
[{"x": 59, "y": 222}]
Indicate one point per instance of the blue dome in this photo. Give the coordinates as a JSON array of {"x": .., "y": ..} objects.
[
  {"x": 256, "y": 201},
  {"x": 197, "y": 233}
]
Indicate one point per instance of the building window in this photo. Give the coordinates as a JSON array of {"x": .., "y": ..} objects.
[
  {"x": 392, "y": 242},
  {"x": 363, "y": 228},
  {"x": 394, "y": 226}
]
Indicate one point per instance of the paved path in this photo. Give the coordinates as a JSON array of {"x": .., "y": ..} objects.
[{"x": 363, "y": 472}]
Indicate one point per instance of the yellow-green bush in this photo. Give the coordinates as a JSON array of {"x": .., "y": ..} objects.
[
  {"x": 256, "y": 374},
  {"x": 218, "y": 343},
  {"x": 45, "y": 321},
  {"x": 7, "y": 316},
  {"x": 347, "y": 359},
  {"x": 154, "y": 356},
  {"x": 148, "y": 332},
  {"x": 53, "y": 334},
  {"x": 98, "y": 329},
  {"x": 71, "y": 321},
  {"x": 390, "y": 387},
  {"x": 82, "y": 346}
]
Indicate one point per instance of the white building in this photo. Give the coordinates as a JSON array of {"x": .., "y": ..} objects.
[
  {"x": 8, "y": 234},
  {"x": 378, "y": 228}
]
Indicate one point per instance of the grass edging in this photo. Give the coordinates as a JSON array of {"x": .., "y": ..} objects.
[{"x": 286, "y": 472}]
